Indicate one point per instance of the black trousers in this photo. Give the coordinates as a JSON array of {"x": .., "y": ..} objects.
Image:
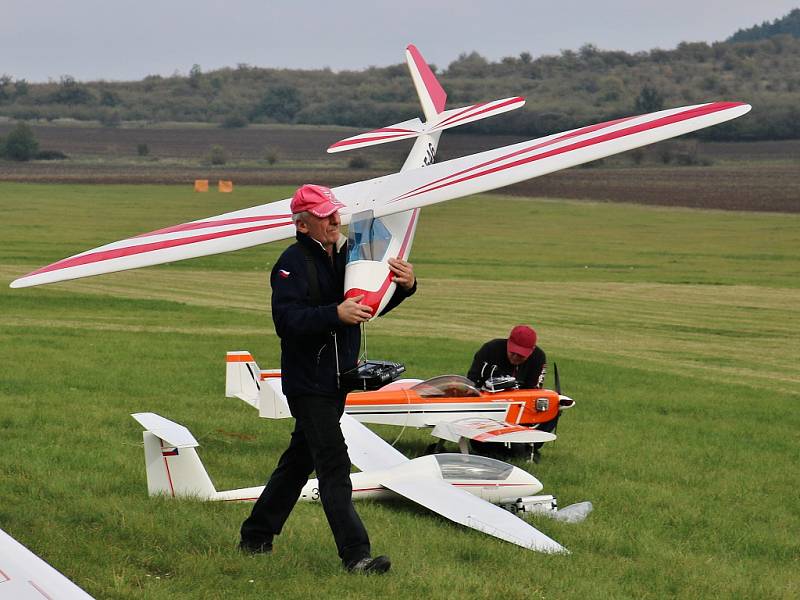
[{"x": 317, "y": 444}]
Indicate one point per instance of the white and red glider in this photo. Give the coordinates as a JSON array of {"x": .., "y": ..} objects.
[{"x": 393, "y": 201}]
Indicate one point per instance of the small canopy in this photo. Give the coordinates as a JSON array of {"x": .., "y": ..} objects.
[{"x": 447, "y": 386}]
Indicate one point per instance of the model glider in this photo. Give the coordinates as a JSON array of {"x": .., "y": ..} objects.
[
  {"x": 460, "y": 488},
  {"x": 385, "y": 210},
  {"x": 25, "y": 576},
  {"x": 450, "y": 404}
]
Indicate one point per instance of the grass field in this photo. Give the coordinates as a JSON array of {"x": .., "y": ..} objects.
[{"x": 676, "y": 330}]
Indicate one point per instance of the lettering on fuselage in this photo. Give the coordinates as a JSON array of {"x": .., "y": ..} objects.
[{"x": 430, "y": 155}]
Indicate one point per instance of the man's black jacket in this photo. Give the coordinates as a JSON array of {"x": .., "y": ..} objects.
[
  {"x": 492, "y": 361},
  {"x": 310, "y": 334}
]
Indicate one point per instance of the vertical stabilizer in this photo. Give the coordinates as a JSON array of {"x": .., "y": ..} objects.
[
  {"x": 242, "y": 377},
  {"x": 173, "y": 466},
  {"x": 430, "y": 92}
]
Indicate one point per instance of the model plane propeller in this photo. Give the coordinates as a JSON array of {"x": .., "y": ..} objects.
[
  {"x": 385, "y": 210},
  {"x": 460, "y": 488}
]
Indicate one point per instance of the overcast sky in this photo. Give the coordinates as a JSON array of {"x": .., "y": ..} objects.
[{"x": 124, "y": 40}]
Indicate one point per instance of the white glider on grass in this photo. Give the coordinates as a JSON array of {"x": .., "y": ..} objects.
[
  {"x": 25, "y": 576},
  {"x": 458, "y": 487},
  {"x": 384, "y": 211}
]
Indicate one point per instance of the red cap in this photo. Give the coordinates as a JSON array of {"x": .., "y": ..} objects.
[
  {"x": 316, "y": 199},
  {"x": 522, "y": 340}
]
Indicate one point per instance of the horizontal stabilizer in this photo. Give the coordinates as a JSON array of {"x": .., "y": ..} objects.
[
  {"x": 415, "y": 127},
  {"x": 172, "y": 433},
  {"x": 401, "y": 131},
  {"x": 489, "y": 430}
]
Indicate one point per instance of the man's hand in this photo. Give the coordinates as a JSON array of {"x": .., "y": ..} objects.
[
  {"x": 351, "y": 312},
  {"x": 403, "y": 273}
]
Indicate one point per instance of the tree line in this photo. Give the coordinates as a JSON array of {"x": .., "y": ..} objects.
[{"x": 563, "y": 91}]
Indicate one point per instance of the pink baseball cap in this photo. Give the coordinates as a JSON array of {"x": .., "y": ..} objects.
[
  {"x": 522, "y": 340},
  {"x": 316, "y": 199}
]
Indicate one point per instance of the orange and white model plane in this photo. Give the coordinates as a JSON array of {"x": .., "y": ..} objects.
[
  {"x": 450, "y": 404},
  {"x": 461, "y": 488}
]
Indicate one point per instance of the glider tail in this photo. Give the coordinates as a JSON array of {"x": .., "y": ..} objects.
[
  {"x": 260, "y": 388},
  {"x": 432, "y": 97},
  {"x": 173, "y": 467}
]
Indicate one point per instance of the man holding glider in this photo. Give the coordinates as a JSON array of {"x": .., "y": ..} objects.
[{"x": 320, "y": 338}]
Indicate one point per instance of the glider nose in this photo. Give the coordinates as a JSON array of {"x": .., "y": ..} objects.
[{"x": 371, "y": 299}]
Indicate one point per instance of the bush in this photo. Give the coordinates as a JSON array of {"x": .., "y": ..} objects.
[
  {"x": 142, "y": 149},
  {"x": 21, "y": 144},
  {"x": 234, "y": 121},
  {"x": 50, "y": 155},
  {"x": 217, "y": 155},
  {"x": 358, "y": 162},
  {"x": 271, "y": 155}
]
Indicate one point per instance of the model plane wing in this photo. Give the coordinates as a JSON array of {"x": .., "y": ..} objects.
[
  {"x": 391, "y": 194},
  {"x": 25, "y": 576},
  {"x": 466, "y": 509},
  {"x": 489, "y": 430},
  {"x": 367, "y": 451}
]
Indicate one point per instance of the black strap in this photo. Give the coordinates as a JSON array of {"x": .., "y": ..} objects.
[{"x": 311, "y": 269}]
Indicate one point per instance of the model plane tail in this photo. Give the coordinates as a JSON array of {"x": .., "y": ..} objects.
[
  {"x": 260, "y": 388},
  {"x": 173, "y": 466},
  {"x": 432, "y": 98}
]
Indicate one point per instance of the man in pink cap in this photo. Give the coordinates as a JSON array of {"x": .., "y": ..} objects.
[
  {"x": 320, "y": 338},
  {"x": 518, "y": 356}
]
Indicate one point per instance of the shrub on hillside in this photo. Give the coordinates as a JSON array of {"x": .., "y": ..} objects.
[
  {"x": 234, "y": 121},
  {"x": 21, "y": 144},
  {"x": 217, "y": 155},
  {"x": 271, "y": 155},
  {"x": 358, "y": 162},
  {"x": 50, "y": 155}
]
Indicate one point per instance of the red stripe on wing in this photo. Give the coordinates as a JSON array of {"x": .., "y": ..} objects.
[
  {"x": 566, "y": 136},
  {"x": 676, "y": 118},
  {"x": 207, "y": 224},
  {"x": 94, "y": 257}
]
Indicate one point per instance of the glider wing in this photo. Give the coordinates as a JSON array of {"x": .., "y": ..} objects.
[
  {"x": 391, "y": 194},
  {"x": 466, "y": 509},
  {"x": 367, "y": 451},
  {"x": 25, "y": 576}
]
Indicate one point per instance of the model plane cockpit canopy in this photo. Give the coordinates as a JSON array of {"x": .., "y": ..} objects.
[
  {"x": 368, "y": 238},
  {"x": 446, "y": 386},
  {"x": 471, "y": 466}
]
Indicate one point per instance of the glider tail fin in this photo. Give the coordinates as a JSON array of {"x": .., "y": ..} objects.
[
  {"x": 242, "y": 377},
  {"x": 431, "y": 94},
  {"x": 432, "y": 97},
  {"x": 173, "y": 467},
  {"x": 260, "y": 388}
]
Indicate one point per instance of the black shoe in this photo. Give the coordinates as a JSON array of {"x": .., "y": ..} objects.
[
  {"x": 255, "y": 547},
  {"x": 367, "y": 565}
]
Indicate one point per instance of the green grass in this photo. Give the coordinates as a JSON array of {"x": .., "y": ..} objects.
[{"x": 675, "y": 330}]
